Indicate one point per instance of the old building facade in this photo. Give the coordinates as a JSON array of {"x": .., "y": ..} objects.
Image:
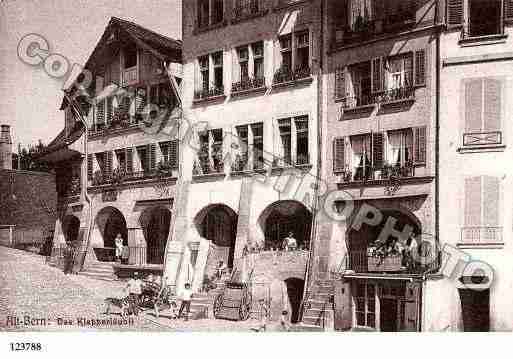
[
  {"x": 379, "y": 128},
  {"x": 475, "y": 178},
  {"x": 128, "y": 168}
]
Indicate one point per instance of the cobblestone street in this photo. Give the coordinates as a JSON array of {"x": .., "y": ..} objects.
[{"x": 30, "y": 288}]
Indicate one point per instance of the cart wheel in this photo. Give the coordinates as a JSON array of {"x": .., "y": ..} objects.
[{"x": 217, "y": 304}]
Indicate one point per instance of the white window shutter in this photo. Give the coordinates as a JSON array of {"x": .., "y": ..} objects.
[
  {"x": 492, "y": 105},
  {"x": 473, "y": 201}
]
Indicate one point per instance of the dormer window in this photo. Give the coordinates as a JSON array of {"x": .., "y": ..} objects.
[{"x": 130, "y": 57}]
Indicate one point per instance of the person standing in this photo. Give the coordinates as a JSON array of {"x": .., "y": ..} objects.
[
  {"x": 186, "y": 301},
  {"x": 134, "y": 287},
  {"x": 119, "y": 247},
  {"x": 290, "y": 242}
]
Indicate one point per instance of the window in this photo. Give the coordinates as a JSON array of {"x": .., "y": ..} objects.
[
  {"x": 249, "y": 69},
  {"x": 365, "y": 304},
  {"x": 121, "y": 159},
  {"x": 482, "y": 211},
  {"x": 302, "y": 154},
  {"x": 144, "y": 160},
  {"x": 400, "y": 72},
  {"x": 469, "y": 14},
  {"x": 130, "y": 55},
  {"x": 250, "y": 147},
  {"x": 361, "y": 157},
  {"x": 246, "y": 8},
  {"x": 483, "y": 108},
  {"x": 400, "y": 147},
  {"x": 210, "y": 12},
  {"x": 360, "y": 14},
  {"x": 303, "y": 50},
  {"x": 258, "y": 145},
  {"x": 286, "y": 51},
  {"x": 169, "y": 150},
  {"x": 285, "y": 141},
  {"x": 210, "y": 154},
  {"x": 294, "y": 57},
  {"x": 358, "y": 86},
  {"x": 210, "y": 83}
]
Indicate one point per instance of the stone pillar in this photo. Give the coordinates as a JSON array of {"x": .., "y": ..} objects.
[
  {"x": 5, "y": 148},
  {"x": 137, "y": 245}
]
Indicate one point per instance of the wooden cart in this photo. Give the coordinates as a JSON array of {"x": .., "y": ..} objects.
[{"x": 234, "y": 302}]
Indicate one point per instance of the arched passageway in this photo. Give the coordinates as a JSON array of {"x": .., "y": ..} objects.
[
  {"x": 155, "y": 222},
  {"x": 218, "y": 224},
  {"x": 283, "y": 217},
  {"x": 110, "y": 222}
]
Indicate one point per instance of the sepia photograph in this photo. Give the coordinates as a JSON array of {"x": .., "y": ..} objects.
[{"x": 255, "y": 166}]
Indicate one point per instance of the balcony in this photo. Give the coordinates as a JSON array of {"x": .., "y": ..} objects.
[
  {"x": 247, "y": 9},
  {"x": 376, "y": 174},
  {"x": 130, "y": 76},
  {"x": 248, "y": 85},
  {"x": 481, "y": 235},
  {"x": 286, "y": 76},
  {"x": 206, "y": 167},
  {"x": 119, "y": 177},
  {"x": 212, "y": 93},
  {"x": 401, "y": 94}
]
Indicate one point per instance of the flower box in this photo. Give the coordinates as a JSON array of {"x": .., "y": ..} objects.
[{"x": 384, "y": 264}]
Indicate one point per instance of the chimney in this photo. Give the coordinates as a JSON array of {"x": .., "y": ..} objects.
[{"x": 5, "y": 148}]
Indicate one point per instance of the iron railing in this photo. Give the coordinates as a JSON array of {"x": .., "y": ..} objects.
[
  {"x": 481, "y": 235},
  {"x": 401, "y": 93},
  {"x": 248, "y": 84},
  {"x": 100, "y": 178},
  {"x": 357, "y": 101},
  {"x": 146, "y": 255},
  {"x": 286, "y": 74},
  {"x": 208, "y": 93},
  {"x": 386, "y": 172},
  {"x": 246, "y": 8},
  {"x": 425, "y": 260},
  {"x": 482, "y": 138},
  {"x": 206, "y": 167}
]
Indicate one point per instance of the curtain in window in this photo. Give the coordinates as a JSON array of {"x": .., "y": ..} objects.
[
  {"x": 361, "y": 146},
  {"x": 395, "y": 142}
]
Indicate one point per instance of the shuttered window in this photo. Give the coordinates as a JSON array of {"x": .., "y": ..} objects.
[
  {"x": 90, "y": 166},
  {"x": 129, "y": 160},
  {"x": 110, "y": 110},
  {"x": 420, "y": 143},
  {"x": 169, "y": 152},
  {"x": 482, "y": 210},
  {"x": 340, "y": 83},
  {"x": 152, "y": 150},
  {"x": 339, "y": 161},
  {"x": 377, "y": 150},
  {"x": 108, "y": 163},
  {"x": 508, "y": 9},
  {"x": 483, "y": 104},
  {"x": 420, "y": 67},
  {"x": 377, "y": 74},
  {"x": 100, "y": 112},
  {"x": 454, "y": 12}
]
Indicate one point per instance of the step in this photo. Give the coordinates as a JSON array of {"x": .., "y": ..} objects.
[
  {"x": 302, "y": 327},
  {"x": 313, "y": 321},
  {"x": 316, "y": 304}
]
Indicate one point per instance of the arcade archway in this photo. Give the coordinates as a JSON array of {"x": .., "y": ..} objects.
[
  {"x": 283, "y": 217},
  {"x": 155, "y": 223},
  {"x": 110, "y": 222},
  {"x": 218, "y": 224}
]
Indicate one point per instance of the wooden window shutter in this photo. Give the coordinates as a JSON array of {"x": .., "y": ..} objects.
[
  {"x": 473, "y": 105},
  {"x": 491, "y": 200},
  {"x": 100, "y": 112},
  {"x": 339, "y": 155},
  {"x": 454, "y": 12},
  {"x": 152, "y": 156},
  {"x": 90, "y": 166},
  {"x": 377, "y": 74},
  {"x": 420, "y": 67},
  {"x": 129, "y": 160},
  {"x": 340, "y": 83},
  {"x": 473, "y": 201},
  {"x": 492, "y": 105},
  {"x": 173, "y": 154},
  {"x": 377, "y": 150},
  {"x": 420, "y": 141},
  {"x": 110, "y": 109},
  {"x": 108, "y": 162},
  {"x": 508, "y": 9}
]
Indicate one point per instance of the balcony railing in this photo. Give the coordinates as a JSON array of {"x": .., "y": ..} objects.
[
  {"x": 361, "y": 261},
  {"x": 100, "y": 179},
  {"x": 248, "y": 84},
  {"x": 481, "y": 235},
  {"x": 386, "y": 172},
  {"x": 358, "y": 101},
  {"x": 130, "y": 76},
  {"x": 482, "y": 138},
  {"x": 474, "y": 29},
  {"x": 398, "y": 94},
  {"x": 246, "y": 9},
  {"x": 208, "y": 93},
  {"x": 206, "y": 167},
  {"x": 146, "y": 255},
  {"x": 285, "y": 74}
]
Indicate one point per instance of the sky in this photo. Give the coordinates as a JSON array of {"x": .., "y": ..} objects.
[{"x": 30, "y": 98}]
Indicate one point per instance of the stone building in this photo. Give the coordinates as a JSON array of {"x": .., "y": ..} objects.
[
  {"x": 28, "y": 201},
  {"x": 128, "y": 167},
  {"x": 379, "y": 127},
  {"x": 475, "y": 176},
  {"x": 250, "y": 93}
]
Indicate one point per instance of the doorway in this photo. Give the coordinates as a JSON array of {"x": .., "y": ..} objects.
[
  {"x": 295, "y": 287},
  {"x": 388, "y": 315}
]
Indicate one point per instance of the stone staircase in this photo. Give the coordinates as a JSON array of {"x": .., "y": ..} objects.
[
  {"x": 319, "y": 302},
  {"x": 99, "y": 270}
]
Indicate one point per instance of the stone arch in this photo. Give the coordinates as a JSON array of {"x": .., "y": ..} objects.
[
  {"x": 156, "y": 224},
  {"x": 110, "y": 221},
  {"x": 282, "y": 217},
  {"x": 218, "y": 224}
]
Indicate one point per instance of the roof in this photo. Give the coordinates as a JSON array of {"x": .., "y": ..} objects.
[{"x": 161, "y": 46}]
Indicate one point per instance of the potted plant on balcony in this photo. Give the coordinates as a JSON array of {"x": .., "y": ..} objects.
[
  {"x": 118, "y": 176},
  {"x": 164, "y": 169},
  {"x": 97, "y": 178},
  {"x": 385, "y": 256}
]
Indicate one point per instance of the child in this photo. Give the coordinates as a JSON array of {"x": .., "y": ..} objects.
[
  {"x": 186, "y": 301},
  {"x": 264, "y": 314},
  {"x": 284, "y": 321}
]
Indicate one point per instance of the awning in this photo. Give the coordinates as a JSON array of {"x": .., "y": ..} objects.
[{"x": 289, "y": 22}]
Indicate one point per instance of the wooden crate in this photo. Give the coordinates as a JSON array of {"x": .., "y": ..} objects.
[{"x": 387, "y": 264}]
